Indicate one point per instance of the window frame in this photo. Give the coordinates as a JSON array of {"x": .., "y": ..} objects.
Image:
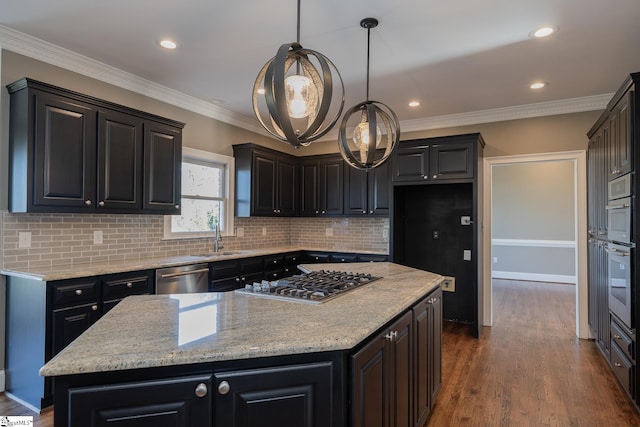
[{"x": 229, "y": 202}]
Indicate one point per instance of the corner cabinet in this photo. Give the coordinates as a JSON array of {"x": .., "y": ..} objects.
[
  {"x": 73, "y": 153},
  {"x": 266, "y": 182}
]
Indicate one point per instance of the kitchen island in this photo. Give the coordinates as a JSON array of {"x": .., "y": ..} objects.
[{"x": 233, "y": 359}]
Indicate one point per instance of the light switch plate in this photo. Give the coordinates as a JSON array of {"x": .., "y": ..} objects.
[
  {"x": 240, "y": 231},
  {"x": 465, "y": 220},
  {"x": 97, "y": 237},
  {"x": 264, "y": 231},
  {"x": 467, "y": 255},
  {"x": 328, "y": 231}
]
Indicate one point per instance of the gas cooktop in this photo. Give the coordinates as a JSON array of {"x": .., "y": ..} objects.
[{"x": 314, "y": 288}]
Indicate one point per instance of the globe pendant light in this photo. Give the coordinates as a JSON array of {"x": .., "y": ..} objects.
[
  {"x": 377, "y": 126},
  {"x": 298, "y": 95}
]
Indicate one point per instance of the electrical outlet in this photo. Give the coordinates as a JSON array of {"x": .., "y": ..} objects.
[
  {"x": 24, "y": 239},
  {"x": 240, "y": 231},
  {"x": 385, "y": 234},
  {"x": 328, "y": 231},
  {"x": 495, "y": 259},
  {"x": 264, "y": 231},
  {"x": 449, "y": 284},
  {"x": 97, "y": 237},
  {"x": 466, "y": 255}
]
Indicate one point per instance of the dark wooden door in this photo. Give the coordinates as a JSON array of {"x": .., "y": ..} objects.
[
  {"x": 179, "y": 402},
  {"x": 264, "y": 184},
  {"x": 370, "y": 405},
  {"x": 287, "y": 396},
  {"x": 287, "y": 181},
  {"x": 70, "y": 322},
  {"x": 331, "y": 186},
  {"x": 355, "y": 191},
  {"x": 309, "y": 187},
  {"x": 120, "y": 174},
  {"x": 410, "y": 163},
  {"x": 451, "y": 161},
  {"x": 162, "y": 166},
  {"x": 379, "y": 190},
  {"x": 64, "y": 166}
]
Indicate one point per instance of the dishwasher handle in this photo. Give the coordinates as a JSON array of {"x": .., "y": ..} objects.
[{"x": 184, "y": 273}]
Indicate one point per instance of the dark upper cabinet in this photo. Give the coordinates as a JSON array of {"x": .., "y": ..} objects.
[
  {"x": 434, "y": 159},
  {"x": 266, "y": 182},
  {"x": 322, "y": 185},
  {"x": 367, "y": 192},
  {"x": 162, "y": 168},
  {"x": 620, "y": 145},
  {"x": 70, "y": 152}
]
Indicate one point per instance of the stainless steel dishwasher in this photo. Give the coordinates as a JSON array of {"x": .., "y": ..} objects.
[{"x": 184, "y": 279}]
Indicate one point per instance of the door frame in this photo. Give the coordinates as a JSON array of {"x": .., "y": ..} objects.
[{"x": 579, "y": 159}]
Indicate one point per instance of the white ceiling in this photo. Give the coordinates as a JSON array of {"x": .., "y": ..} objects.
[{"x": 454, "y": 56}]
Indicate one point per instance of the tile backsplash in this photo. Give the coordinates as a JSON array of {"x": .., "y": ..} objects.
[{"x": 69, "y": 238}]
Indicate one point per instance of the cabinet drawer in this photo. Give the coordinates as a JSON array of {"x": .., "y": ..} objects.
[
  {"x": 624, "y": 342},
  {"x": 622, "y": 368},
  {"x": 71, "y": 292},
  {"x": 373, "y": 258},
  {"x": 274, "y": 274},
  {"x": 224, "y": 269},
  {"x": 250, "y": 265},
  {"x": 312, "y": 257},
  {"x": 343, "y": 257},
  {"x": 121, "y": 286},
  {"x": 292, "y": 259},
  {"x": 273, "y": 261}
]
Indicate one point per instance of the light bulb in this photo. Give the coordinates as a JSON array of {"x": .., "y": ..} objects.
[
  {"x": 361, "y": 137},
  {"x": 301, "y": 95}
]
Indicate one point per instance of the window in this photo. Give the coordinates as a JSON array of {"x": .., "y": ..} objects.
[{"x": 207, "y": 196}]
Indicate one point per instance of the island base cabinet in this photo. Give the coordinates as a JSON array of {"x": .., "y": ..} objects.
[
  {"x": 179, "y": 402},
  {"x": 287, "y": 396}
]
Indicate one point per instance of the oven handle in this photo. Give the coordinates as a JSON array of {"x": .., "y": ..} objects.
[
  {"x": 622, "y": 206},
  {"x": 616, "y": 251},
  {"x": 184, "y": 273}
]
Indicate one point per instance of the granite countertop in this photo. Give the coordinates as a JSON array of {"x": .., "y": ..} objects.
[
  {"x": 71, "y": 271},
  {"x": 164, "y": 330}
]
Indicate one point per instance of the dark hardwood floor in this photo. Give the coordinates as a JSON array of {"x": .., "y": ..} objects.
[{"x": 529, "y": 369}]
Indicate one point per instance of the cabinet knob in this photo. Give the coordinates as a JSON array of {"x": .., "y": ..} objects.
[
  {"x": 201, "y": 390},
  {"x": 94, "y": 307},
  {"x": 617, "y": 365},
  {"x": 425, "y": 177},
  {"x": 371, "y": 211},
  {"x": 177, "y": 206},
  {"x": 87, "y": 202},
  {"x": 323, "y": 212},
  {"x": 435, "y": 176},
  {"x": 237, "y": 279},
  {"x": 224, "y": 387},
  {"x": 78, "y": 291},
  {"x": 364, "y": 212},
  {"x": 129, "y": 285},
  {"x": 616, "y": 337},
  {"x": 101, "y": 203},
  {"x": 317, "y": 212}
]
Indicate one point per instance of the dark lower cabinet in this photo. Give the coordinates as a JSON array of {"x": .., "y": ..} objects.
[
  {"x": 286, "y": 396},
  {"x": 179, "y": 402},
  {"x": 69, "y": 323},
  {"x": 398, "y": 374}
]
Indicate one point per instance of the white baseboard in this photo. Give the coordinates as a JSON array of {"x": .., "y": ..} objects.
[{"x": 534, "y": 277}]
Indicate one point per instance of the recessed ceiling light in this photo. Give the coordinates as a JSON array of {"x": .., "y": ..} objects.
[
  {"x": 543, "y": 32},
  {"x": 538, "y": 85},
  {"x": 168, "y": 44},
  {"x": 414, "y": 103}
]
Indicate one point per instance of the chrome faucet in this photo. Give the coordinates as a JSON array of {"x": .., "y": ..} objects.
[{"x": 217, "y": 240}]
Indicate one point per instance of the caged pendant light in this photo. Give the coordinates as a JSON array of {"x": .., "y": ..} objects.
[
  {"x": 295, "y": 93},
  {"x": 377, "y": 125}
]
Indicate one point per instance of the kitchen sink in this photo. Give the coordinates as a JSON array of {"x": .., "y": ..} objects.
[{"x": 221, "y": 253}]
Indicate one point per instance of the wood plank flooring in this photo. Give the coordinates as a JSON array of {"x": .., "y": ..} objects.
[{"x": 529, "y": 369}]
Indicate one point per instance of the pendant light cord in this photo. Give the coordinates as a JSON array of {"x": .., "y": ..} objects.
[
  {"x": 298, "y": 27},
  {"x": 368, "y": 49}
]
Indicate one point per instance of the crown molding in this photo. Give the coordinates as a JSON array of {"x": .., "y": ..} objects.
[
  {"x": 541, "y": 109},
  {"x": 49, "y": 53},
  {"x": 44, "y": 51}
]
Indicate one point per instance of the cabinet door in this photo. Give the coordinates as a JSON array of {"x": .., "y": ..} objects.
[
  {"x": 119, "y": 161},
  {"x": 162, "y": 166},
  {"x": 264, "y": 184},
  {"x": 287, "y": 396},
  {"x": 401, "y": 372},
  {"x": 621, "y": 145},
  {"x": 309, "y": 188},
  {"x": 370, "y": 405},
  {"x": 331, "y": 186},
  {"x": 287, "y": 179},
  {"x": 64, "y": 164},
  {"x": 451, "y": 161},
  {"x": 180, "y": 402},
  {"x": 69, "y": 323},
  {"x": 379, "y": 200},
  {"x": 355, "y": 191},
  {"x": 422, "y": 377},
  {"x": 410, "y": 164},
  {"x": 436, "y": 345}
]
